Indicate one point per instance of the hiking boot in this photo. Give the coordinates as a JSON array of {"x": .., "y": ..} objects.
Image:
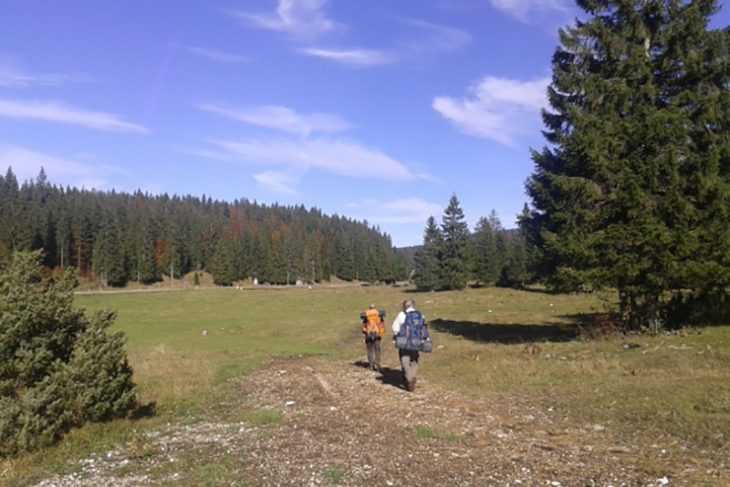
[{"x": 411, "y": 386}]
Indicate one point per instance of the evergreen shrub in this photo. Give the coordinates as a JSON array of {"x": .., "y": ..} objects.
[{"x": 59, "y": 368}]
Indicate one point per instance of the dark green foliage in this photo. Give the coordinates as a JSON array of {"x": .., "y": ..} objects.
[
  {"x": 456, "y": 251},
  {"x": 450, "y": 255},
  {"x": 99, "y": 372},
  {"x": 58, "y": 367},
  {"x": 489, "y": 249},
  {"x": 115, "y": 237},
  {"x": 634, "y": 191},
  {"x": 515, "y": 270},
  {"x": 427, "y": 261},
  {"x": 225, "y": 262},
  {"x": 108, "y": 254}
]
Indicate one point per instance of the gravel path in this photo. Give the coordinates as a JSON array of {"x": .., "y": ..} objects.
[{"x": 337, "y": 423}]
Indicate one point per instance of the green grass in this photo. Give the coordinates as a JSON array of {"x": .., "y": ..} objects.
[
  {"x": 333, "y": 475},
  {"x": 672, "y": 387},
  {"x": 428, "y": 433},
  {"x": 262, "y": 417}
]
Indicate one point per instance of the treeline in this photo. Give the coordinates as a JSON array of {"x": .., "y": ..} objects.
[
  {"x": 452, "y": 257},
  {"x": 119, "y": 237}
]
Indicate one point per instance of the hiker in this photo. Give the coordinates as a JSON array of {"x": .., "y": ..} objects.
[
  {"x": 373, "y": 327},
  {"x": 408, "y": 320}
]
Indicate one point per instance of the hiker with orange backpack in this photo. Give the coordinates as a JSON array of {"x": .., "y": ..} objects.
[{"x": 373, "y": 327}]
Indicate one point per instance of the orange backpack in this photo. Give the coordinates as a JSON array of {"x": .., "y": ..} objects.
[{"x": 373, "y": 326}]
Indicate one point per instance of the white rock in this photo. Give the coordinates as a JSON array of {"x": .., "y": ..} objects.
[{"x": 290, "y": 403}]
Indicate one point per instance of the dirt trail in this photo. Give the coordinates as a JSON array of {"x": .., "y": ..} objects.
[
  {"x": 364, "y": 424},
  {"x": 341, "y": 424}
]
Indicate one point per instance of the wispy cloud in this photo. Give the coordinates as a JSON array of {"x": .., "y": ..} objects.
[
  {"x": 436, "y": 38},
  {"x": 304, "y": 19},
  {"x": 27, "y": 163},
  {"x": 396, "y": 212},
  {"x": 410, "y": 210},
  {"x": 12, "y": 76},
  {"x": 219, "y": 56},
  {"x": 341, "y": 157},
  {"x": 497, "y": 109},
  {"x": 59, "y": 113},
  {"x": 277, "y": 181},
  {"x": 352, "y": 57},
  {"x": 281, "y": 118},
  {"x": 428, "y": 39},
  {"x": 531, "y": 11}
]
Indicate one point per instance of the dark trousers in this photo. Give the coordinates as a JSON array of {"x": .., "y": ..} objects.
[
  {"x": 409, "y": 363},
  {"x": 373, "y": 349}
]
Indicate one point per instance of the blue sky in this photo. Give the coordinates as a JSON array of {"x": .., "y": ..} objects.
[{"x": 379, "y": 110}]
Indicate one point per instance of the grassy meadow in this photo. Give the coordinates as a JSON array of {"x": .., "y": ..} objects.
[{"x": 671, "y": 389}]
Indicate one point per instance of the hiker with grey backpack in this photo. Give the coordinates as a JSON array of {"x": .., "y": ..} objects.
[{"x": 411, "y": 337}]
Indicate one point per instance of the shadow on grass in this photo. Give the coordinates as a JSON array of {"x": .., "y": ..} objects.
[
  {"x": 144, "y": 411},
  {"x": 507, "y": 333}
]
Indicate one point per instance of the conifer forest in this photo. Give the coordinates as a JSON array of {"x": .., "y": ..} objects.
[{"x": 119, "y": 238}]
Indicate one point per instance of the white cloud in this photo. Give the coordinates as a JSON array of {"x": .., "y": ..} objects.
[
  {"x": 300, "y": 18},
  {"x": 352, "y": 57},
  {"x": 13, "y": 77},
  {"x": 339, "y": 156},
  {"x": 215, "y": 55},
  {"x": 277, "y": 181},
  {"x": 56, "y": 112},
  {"x": 27, "y": 164},
  {"x": 281, "y": 118},
  {"x": 530, "y": 11},
  {"x": 497, "y": 109}
]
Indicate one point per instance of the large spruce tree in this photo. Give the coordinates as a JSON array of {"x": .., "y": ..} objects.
[
  {"x": 427, "y": 261},
  {"x": 633, "y": 190},
  {"x": 456, "y": 257}
]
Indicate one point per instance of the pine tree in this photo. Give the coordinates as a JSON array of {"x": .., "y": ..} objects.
[
  {"x": 427, "y": 261},
  {"x": 514, "y": 272},
  {"x": 8, "y": 212},
  {"x": 635, "y": 183},
  {"x": 223, "y": 265},
  {"x": 455, "y": 258},
  {"x": 108, "y": 255},
  {"x": 485, "y": 263}
]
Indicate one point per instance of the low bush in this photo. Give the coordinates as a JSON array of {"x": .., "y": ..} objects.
[{"x": 59, "y": 368}]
